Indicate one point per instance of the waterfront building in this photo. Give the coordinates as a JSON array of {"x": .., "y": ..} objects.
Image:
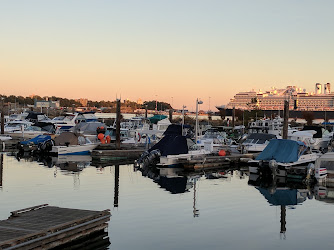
[
  {"x": 274, "y": 98},
  {"x": 82, "y": 101},
  {"x": 46, "y": 104}
]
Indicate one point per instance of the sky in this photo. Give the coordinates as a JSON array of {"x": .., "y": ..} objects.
[{"x": 171, "y": 50}]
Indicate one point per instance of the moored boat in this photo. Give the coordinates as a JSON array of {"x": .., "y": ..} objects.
[
  {"x": 280, "y": 155},
  {"x": 68, "y": 143}
]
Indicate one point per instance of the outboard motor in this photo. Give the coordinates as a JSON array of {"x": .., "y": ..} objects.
[
  {"x": 46, "y": 146},
  {"x": 148, "y": 158}
]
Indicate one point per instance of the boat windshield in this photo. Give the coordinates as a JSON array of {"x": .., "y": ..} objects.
[
  {"x": 59, "y": 118},
  {"x": 327, "y": 164},
  {"x": 33, "y": 128},
  {"x": 15, "y": 125},
  {"x": 261, "y": 141},
  {"x": 68, "y": 118},
  {"x": 248, "y": 141}
]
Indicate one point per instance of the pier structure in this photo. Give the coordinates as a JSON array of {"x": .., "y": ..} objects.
[{"x": 46, "y": 227}]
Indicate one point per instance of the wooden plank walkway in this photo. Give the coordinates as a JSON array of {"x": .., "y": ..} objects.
[
  {"x": 212, "y": 162},
  {"x": 46, "y": 227}
]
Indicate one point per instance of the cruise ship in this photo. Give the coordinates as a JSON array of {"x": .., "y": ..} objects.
[{"x": 321, "y": 99}]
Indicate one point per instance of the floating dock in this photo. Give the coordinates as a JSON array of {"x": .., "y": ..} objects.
[
  {"x": 212, "y": 162},
  {"x": 109, "y": 153},
  {"x": 46, "y": 227}
]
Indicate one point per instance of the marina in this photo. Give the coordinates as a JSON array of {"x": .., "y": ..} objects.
[
  {"x": 166, "y": 125},
  {"x": 164, "y": 207},
  {"x": 151, "y": 181}
]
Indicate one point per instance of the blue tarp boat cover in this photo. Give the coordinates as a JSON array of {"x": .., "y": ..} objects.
[
  {"x": 37, "y": 139},
  {"x": 173, "y": 143},
  {"x": 281, "y": 150},
  {"x": 154, "y": 119}
]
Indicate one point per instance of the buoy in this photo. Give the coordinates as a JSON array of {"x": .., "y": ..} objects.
[
  {"x": 100, "y": 136},
  {"x": 222, "y": 152}
]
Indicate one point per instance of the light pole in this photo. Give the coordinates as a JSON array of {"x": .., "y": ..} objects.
[
  {"x": 183, "y": 107},
  {"x": 2, "y": 117},
  {"x": 196, "y": 128},
  {"x": 156, "y": 103}
]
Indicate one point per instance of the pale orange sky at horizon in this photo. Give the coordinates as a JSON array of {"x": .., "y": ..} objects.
[{"x": 173, "y": 51}]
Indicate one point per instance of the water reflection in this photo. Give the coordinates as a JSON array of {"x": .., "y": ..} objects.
[
  {"x": 98, "y": 240},
  {"x": 1, "y": 170},
  {"x": 282, "y": 192},
  {"x": 167, "y": 197},
  {"x": 116, "y": 188},
  {"x": 71, "y": 163},
  {"x": 324, "y": 193}
]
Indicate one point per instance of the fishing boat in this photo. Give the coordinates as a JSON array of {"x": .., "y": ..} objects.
[{"x": 280, "y": 155}]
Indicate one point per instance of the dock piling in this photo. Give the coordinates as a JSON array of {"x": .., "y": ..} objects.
[
  {"x": 118, "y": 124},
  {"x": 286, "y": 119}
]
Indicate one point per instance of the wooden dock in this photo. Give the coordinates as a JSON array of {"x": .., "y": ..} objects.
[
  {"x": 109, "y": 153},
  {"x": 212, "y": 162},
  {"x": 46, "y": 227}
]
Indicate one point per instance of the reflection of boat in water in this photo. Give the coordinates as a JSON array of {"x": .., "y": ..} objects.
[
  {"x": 73, "y": 163},
  {"x": 284, "y": 196},
  {"x": 171, "y": 179},
  {"x": 225, "y": 174},
  {"x": 281, "y": 194},
  {"x": 174, "y": 180}
]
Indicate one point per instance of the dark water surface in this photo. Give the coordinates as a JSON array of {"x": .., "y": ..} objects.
[{"x": 189, "y": 212}]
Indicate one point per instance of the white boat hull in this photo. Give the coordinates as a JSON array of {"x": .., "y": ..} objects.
[{"x": 73, "y": 149}]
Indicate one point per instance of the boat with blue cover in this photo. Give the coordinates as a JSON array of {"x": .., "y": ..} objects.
[
  {"x": 280, "y": 155},
  {"x": 34, "y": 143},
  {"x": 172, "y": 149}
]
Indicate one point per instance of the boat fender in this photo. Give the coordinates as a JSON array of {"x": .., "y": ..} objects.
[
  {"x": 139, "y": 137},
  {"x": 108, "y": 139}
]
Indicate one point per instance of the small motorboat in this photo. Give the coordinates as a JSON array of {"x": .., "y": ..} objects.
[
  {"x": 68, "y": 143},
  {"x": 172, "y": 150},
  {"x": 33, "y": 144},
  {"x": 256, "y": 142},
  {"x": 280, "y": 155}
]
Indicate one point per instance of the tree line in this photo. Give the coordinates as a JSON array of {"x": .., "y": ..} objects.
[{"x": 65, "y": 102}]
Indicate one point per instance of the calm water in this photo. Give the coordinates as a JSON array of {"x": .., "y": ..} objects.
[{"x": 192, "y": 212}]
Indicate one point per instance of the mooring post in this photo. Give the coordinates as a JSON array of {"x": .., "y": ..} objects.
[
  {"x": 233, "y": 118},
  {"x": 1, "y": 169},
  {"x": 118, "y": 124},
  {"x": 286, "y": 119},
  {"x": 171, "y": 115},
  {"x": 116, "y": 188},
  {"x": 2, "y": 119}
]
